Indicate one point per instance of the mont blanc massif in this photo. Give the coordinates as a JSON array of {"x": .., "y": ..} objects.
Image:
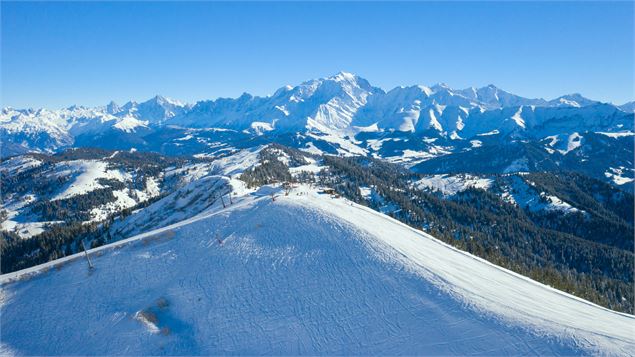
[{"x": 331, "y": 217}]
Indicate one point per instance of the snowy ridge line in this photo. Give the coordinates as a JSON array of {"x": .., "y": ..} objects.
[
  {"x": 37, "y": 269},
  {"x": 508, "y": 297},
  {"x": 507, "y": 271}
]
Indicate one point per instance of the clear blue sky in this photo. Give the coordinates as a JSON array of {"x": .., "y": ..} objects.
[{"x": 58, "y": 54}]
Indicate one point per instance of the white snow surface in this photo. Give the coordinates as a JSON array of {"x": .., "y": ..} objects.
[
  {"x": 86, "y": 175},
  {"x": 620, "y": 175},
  {"x": 260, "y": 128},
  {"x": 129, "y": 124},
  {"x": 618, "y": 134},
  {"x": 564, "y": 143},
  {"x": 18, "y": 164},
  {"x": 199, "y": 189},
  {"x": 304, "y": 274},
  {"x": 312, "y": 149},
  {"x": 346, "y": 147},
  {"x": 26, "y": 229},
  {"x": 525, "y": 195},
  {"x": 373, "y": 197},
  {"x": 83, "y": 176},
  {"x": 450, "y": 185},
  {"x": 313, "y": 168}
]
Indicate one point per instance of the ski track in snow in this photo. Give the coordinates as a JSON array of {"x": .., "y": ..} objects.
[{"x": 305, "y": 275}]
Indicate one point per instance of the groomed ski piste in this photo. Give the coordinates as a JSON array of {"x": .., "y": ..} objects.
[{"x": 304, "y": 274}]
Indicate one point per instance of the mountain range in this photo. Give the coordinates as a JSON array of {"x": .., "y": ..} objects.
[
  {"x": 342, "y": 104},
  {"x": 344, "y": 114}
]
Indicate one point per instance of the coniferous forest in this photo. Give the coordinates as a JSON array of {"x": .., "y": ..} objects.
[{"x": 590, "y": 257}]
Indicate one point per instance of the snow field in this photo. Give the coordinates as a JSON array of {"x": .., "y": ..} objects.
[{"x": 304, "y": 274}]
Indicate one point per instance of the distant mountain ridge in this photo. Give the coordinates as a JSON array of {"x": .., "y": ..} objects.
[
  {"x": 427, "y": 128},
  {"x": 342, "y": 104}
]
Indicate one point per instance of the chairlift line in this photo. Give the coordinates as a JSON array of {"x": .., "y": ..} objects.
[{"x": 90, "y": 264}]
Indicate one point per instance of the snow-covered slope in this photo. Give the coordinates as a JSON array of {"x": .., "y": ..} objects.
[
  {"x": 628, "y": 107},
  {"x": 525, "y": 195},
  {"x": 87, "y": 185},
  {"x": 200, "y": 187},
  {"x": 538, "y": 122},
  {"x": 449, "y": 185},
  {"x": 86, "y": 175},
  {"x": 572, "y": 100},
  {"x": 511, "y": 188},
  {"x": 304, "y": 274}
]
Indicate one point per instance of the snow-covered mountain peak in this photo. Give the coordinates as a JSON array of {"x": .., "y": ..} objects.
[
  {"x": 573, "y": 100},
  {"x": 112, "y": 108},
  {"x": 426, "y": 90},
  {"x": 129, "y": 105},
  {"x": 628, "y": 107},
  {"x": 245, "y": 96},
  {"x": 155, "y": 110},
  {"x": 494, "y": 97},
  {"x": 73, "y": 107},
  {"x": 344, "y": 76},
  {"x": 330, "y": 103},
  {"x": 576, "y": 96},
  {"x": 165, "y": 101},
  {"x": 414, "y": 90},
  {"x": 344, "y": 80},
  {"x": 282, "y": 90},
  {"x": 441, "y": 87},
  {"x": 160, "y": 101}
]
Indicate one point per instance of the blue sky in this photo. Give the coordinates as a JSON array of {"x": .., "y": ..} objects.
[{"x": 58, "y": 54}]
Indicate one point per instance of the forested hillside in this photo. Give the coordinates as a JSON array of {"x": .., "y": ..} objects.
[
  {"x": 593, "y": 261},
  {"x": 53, "y": 202}
]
